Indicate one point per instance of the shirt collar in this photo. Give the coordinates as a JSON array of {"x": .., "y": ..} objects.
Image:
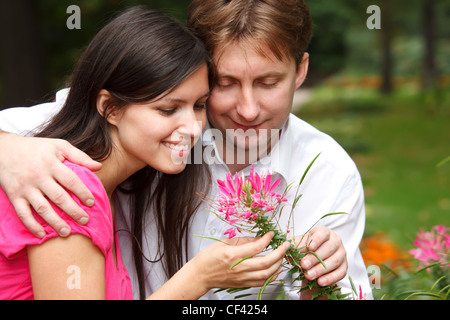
[{"x": 277, "y": 161}]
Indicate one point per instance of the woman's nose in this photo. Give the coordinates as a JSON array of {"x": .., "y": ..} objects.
[{"x": 191, "y": 126}]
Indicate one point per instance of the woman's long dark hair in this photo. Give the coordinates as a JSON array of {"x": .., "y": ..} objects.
[{"x": 137, "y": 57}]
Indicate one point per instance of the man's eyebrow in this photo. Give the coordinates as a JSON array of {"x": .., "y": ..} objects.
[
  {"x": 272, "y": 74},
  {"x": 269, "y": 74}
]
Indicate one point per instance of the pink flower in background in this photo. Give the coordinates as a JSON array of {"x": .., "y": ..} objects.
[{"x": 432, "y": 246}]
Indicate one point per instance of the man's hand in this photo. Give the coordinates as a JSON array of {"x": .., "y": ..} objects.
[
  {"x": 32, "y": 172},
  {"x": 329, "y": 247}
]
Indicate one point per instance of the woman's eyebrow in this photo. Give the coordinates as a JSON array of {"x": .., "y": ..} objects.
[{"x": 180, "y": 100}]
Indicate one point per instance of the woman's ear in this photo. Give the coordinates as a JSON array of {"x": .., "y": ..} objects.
[
  {"x": 105, "y": 109},
  {"x": 302, "y": 70}
]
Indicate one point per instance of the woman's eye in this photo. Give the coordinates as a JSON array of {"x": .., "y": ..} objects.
[
  {"x": 167, "y": 112},
  {"x": 200, "y": 106}
]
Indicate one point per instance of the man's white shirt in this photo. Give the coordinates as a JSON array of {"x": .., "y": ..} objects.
[{"x": 333, "y": 184}]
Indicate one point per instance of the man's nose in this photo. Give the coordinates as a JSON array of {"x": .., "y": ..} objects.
[{"x": 248, "y": 106}]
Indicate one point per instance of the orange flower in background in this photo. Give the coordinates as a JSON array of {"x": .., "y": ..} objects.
[{"x": 378, "y": 249}]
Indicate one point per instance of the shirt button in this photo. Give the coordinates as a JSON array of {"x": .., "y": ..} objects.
[{"x": 213, "y": 231}]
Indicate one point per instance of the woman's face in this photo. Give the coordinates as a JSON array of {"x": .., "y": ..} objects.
[{"x": 161, "y": 133}]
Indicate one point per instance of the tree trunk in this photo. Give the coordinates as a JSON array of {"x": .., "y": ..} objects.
[
  {"x": 21, "y": 56},
  {"x": 386, "y": 45},
  {"x": 428, "y": 35}
]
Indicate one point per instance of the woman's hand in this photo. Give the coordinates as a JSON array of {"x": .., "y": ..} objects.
[
  {"x": 215, "y": 262},
  {"x": 215, "y": 267},
  {"x": 31, "y": 172}
]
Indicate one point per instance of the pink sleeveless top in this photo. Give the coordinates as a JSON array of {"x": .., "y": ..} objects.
[{"x": 15, "y": 276}]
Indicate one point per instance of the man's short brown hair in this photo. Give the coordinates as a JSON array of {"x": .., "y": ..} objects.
[{"x": 285, "y": 26}]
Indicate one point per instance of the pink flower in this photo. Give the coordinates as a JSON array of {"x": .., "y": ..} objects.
[
  {"x": 231, "y": 233},
  {"x": 441, "y": 229},
  {"x": 246, "y": 215},
  {"x": 432, "y": 246},
  {"x": 229, "y": 188},
  {"x": 258, "y": 202},
  {"x": 241, "y": 201},
  {"x": 259, "y": 184},
  {"x": 279, "y": 197},
  {"x": 425, "y": 254},
  {"x": 361, "y": 295},
  {"x": 254, "y": 216}
]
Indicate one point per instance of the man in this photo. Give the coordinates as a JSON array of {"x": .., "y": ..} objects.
[{"x": 259, "y": 48}]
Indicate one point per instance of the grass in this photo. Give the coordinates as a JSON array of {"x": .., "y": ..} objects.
[{"x": 397, "y": 141}]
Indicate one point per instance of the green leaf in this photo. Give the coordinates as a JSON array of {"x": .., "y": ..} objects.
[
  {"x": 428, "y": 266},
  {"x": 292, "y": 271},
  {"x": 296, "y": 200},
  {"x": 390, "y": 270},
  {"x": 234, "y": 290},
  {"x": 320, "y": 260},
  {"x": 279, "y": 237},
  {"x": 242, "y": 296},
  {"x": 307, "y": 169},
  {"x": 240, "y": 261},
  {"x": 196, "y": 235},
  {"x": 437, "y": 281},
  {"x": 445, "y": 288},
  {"x": 440, "y": 164},
  {"x": 353, "y": 286},
  {"x": 261, "y": 291},
  {"x": 332, "y": 214},
  {"x": 301, "y": 180},
  {"x": 424, "y": 293}
]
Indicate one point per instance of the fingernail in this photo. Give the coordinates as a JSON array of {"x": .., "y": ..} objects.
[
  {"x": 307, "y": 264},
  {"x": 287, "y": 245},
  {"x": 40, "y": 234},
  {"x": 322, "y": 281},
  {"x": 63, "y": 232},
  {"x": 312, "y": 275},
  {"x": 83, "y": 220},
  {"x": 90, "y": 202}
]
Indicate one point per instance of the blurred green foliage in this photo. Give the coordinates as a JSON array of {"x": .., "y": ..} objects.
[
  {"x": 397, "y": 143},
  {"x": 63, "y": 46},
  {"x": 342, "y": 44}
]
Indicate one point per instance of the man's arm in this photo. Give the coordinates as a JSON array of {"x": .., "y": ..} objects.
[{"x": 31, "y": 171}]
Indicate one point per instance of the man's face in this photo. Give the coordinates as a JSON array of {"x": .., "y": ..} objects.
[{"x": 253, "y": 93}]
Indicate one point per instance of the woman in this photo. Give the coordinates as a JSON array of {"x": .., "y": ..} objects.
[{"x": 136, "y": 104}]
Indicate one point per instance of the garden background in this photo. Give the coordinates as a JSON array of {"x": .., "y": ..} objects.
[{"x": 383, "y": 94}]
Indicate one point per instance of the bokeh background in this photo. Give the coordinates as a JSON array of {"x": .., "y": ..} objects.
[{"x": 384, "y": 94}]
